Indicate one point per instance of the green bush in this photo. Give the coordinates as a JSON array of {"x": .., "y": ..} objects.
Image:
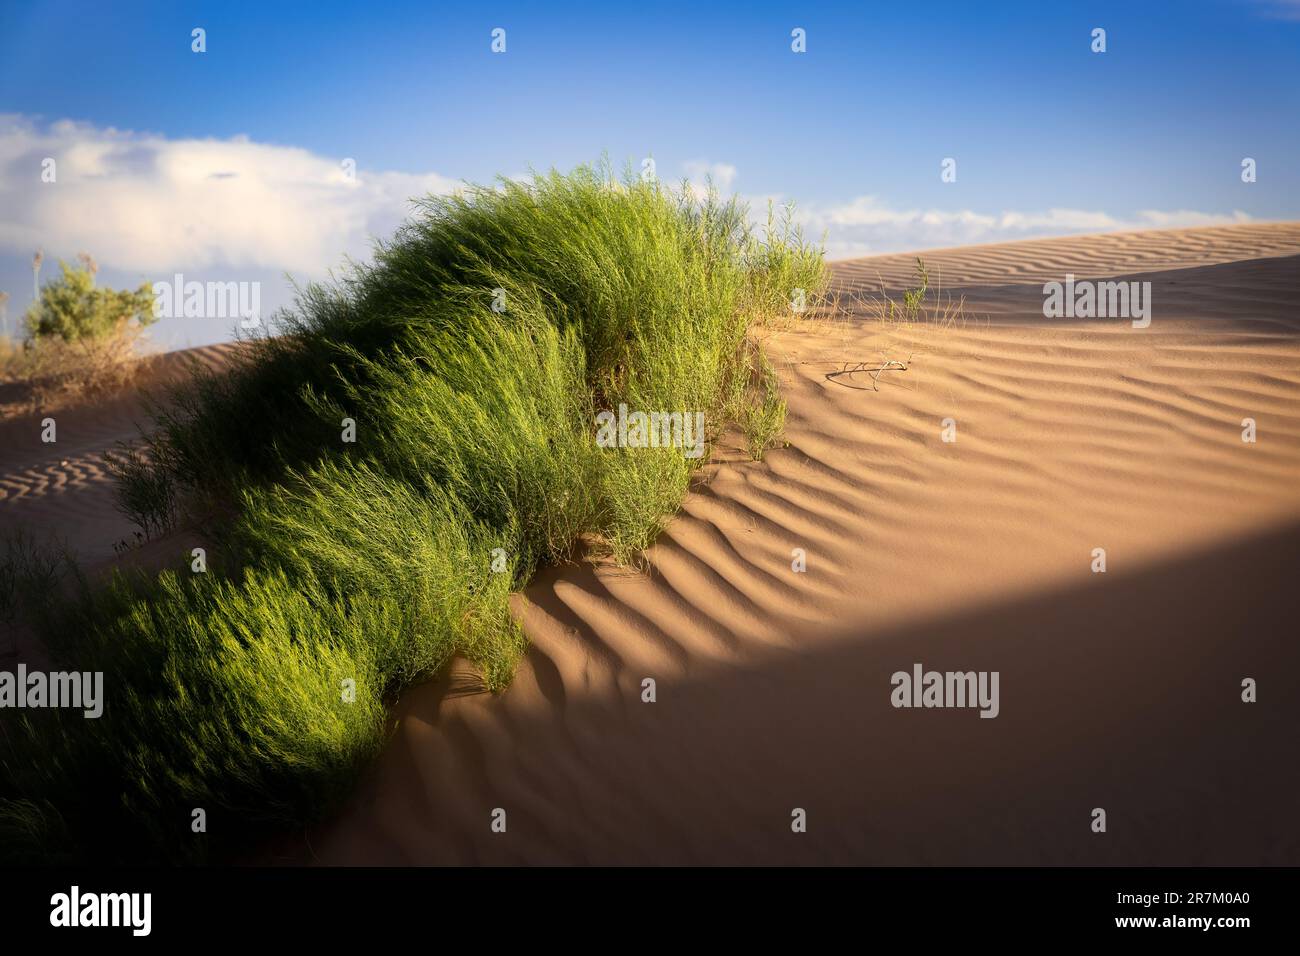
[
  {"x": 764, "y": 420},
  {"x": 472, "y": 357},
  {"x": 73, "y": 308},
  {"x": 350, "y": 530},
  {"x": 222, "y": 694}
]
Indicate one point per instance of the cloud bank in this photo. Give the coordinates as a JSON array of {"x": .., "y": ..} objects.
[
  {"x": 147, "y": 204},
  {"x": 867, "y": 226}
]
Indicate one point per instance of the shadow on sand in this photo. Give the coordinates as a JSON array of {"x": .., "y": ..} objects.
[{"x": 1122, "y": 692}]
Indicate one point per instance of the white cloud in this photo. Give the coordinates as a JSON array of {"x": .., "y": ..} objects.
[
  {"x": 868, "y": 226},
  {"x": 700, "y": 172},
  {"x": 142, "y": 202},
  {"x": 145, "y": 204}
]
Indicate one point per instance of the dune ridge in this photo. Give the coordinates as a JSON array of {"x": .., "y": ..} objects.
[
  {"x": 63, "y": 488},
  {"x": 1119, "y": 690},
  {"x": 1111, "y": 253},
  {"x": 773, "y": 686}
]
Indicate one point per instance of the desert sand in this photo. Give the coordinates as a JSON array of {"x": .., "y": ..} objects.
[
  {"x": 62, "y": 489},
  {"x": 1118, "y": 690}
]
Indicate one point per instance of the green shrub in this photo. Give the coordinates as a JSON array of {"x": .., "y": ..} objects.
[
  {"x": 145, "y": 493},
  {"x": 498, "y": 415},
  {"x": 73, "y": 308},
  {"x": 351, "y": 530},
  {"x": 472, "y": 356},
  {"x": 763, "y": 420},
  {"x": 221, "y": 694}
]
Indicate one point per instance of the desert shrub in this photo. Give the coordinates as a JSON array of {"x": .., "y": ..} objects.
[
  {"x": 74, "y": 309},
  {"x": 658, "y": 285},
  {"x": 221, "y": 694},
  {"x": 50, "y": 372},
  {"x": 763, "y": 420},
  {"x": 472, "y": 356},
  {"x": 144, "y": 493},
  {"x": 81, "y": 339},
  {"x": 33, "y": 569},
  {"x": 350, "y": 529}
]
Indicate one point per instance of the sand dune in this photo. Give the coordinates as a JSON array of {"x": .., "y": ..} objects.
[
  {"x": 1107, "y": 254},
  {"x": 1118, "y": 690},
  {"x": 62, "y": 488}
]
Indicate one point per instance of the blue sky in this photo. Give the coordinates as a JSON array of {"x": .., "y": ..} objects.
[{"x": 1048, "y": 136}]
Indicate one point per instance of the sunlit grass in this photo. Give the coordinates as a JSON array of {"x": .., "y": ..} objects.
[{"x": 470, "y": 359}]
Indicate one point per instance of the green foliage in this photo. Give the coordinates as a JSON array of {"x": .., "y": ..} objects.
[
  {"x": 224, "y": 694},
  {"x": 763, "y": 420},
  {"x": 782, "y": 262},
  {"x": 913, "y": 299},
  {"x": 497, "y": 415},
  {"x": 73, "y": 308},
  {"x": 350, "y": 529},
  {"x": 475, "y": 459},
  {"x": 146, "y": 493}
]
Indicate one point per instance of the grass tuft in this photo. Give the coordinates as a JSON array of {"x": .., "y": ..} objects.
[
  {"x": 383, "y": 474},
  {"x": 763, "y": 419}
]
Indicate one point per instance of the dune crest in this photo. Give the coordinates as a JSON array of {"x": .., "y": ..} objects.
[
  {"x": 62, "y": 487},
  {"x": 771, "y": 687}
]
